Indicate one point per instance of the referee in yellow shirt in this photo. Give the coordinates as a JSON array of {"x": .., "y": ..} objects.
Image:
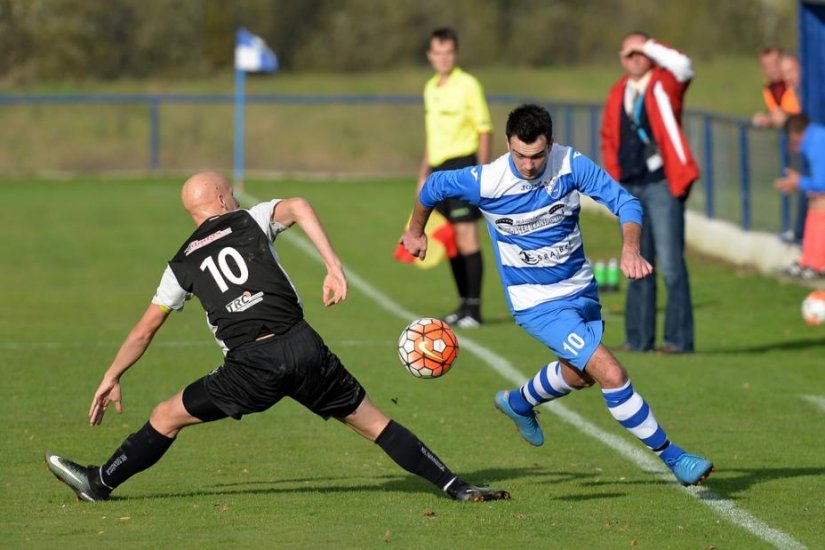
[{"x": 459, "y": 134}]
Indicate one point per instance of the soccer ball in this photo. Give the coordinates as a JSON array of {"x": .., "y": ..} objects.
[
  {"x": 813, "y": 308},
  {"x": 427, "y": 348}
]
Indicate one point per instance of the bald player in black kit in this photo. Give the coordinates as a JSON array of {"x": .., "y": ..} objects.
[{"x": 271, "y": 352}]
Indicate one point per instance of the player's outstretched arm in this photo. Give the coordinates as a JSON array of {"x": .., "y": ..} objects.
[
  {"x": 414, "y": 239},
  {"x": 632, "y": 264},
  {"x": 298, "y": 210},
  {"x": 130, "y": 351}
]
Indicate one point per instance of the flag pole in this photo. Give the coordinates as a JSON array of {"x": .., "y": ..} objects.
[
  {"x": 251, "y": 54},
  {"x": 240, "y": 104}
]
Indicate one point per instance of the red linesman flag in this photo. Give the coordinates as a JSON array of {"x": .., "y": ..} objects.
[{"x": 440, "y": 243}]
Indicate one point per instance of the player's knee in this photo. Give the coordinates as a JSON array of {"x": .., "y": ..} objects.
[
  {"x": 583, "y": 382},
  {"x": 612, "y": 375},
  {"x": 165, "y": 418},
  {"x": 367, "y": 420},
  {"x": 606, "y": 369},
  {"x": 575, "y": 378}
]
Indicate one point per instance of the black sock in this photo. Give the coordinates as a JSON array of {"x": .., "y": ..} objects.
[
  {"x": 411, "y": 454},
  {"x": 459, "y": 267},
  {"x": 139, "y": 451},
  {"x": 474, "y": 268}
]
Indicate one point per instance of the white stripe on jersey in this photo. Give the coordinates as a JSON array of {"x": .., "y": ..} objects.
[
  {"x": 497, "y": 179},
  {"x": 533, "y": 224},
  {"x": 526, "y": 296},
  {"x": 547, "y": 256},
  {"x": 525, "y": 223}
]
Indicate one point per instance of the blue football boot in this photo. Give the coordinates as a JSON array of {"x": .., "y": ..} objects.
[
  {"x": 527, "y": 425},
  {"x": 690, "y": 469}
]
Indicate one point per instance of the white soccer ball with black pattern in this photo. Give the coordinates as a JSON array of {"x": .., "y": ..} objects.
[{"x": 428, "y": 348}]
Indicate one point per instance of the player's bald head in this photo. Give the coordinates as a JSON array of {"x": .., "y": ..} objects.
[{"x": 207, "y": 194}]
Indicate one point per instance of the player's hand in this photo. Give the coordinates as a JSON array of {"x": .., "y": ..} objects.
[
  {"x": 107, "y": 393},
  {"x": 632, "y": 49},
  {"x": 761, "y": 120},
  {"x": 634, "y": 266},
  {"x": 789, "y": 182},
  {"x": 335, "y": 288},
  {"x": 415, "y": 244}
]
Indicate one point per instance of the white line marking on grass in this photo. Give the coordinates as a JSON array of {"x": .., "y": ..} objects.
[
  {"x": 643, "y": 459},
  {"x": 817, "y": 400}
]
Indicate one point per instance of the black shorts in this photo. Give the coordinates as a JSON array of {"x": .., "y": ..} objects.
[
  {"x": 258, "y": 374},
  {"x": 457, "y": 210}
]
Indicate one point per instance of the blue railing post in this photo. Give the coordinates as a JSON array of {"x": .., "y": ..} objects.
[
  {"x": 744, "y": 176},
  {"x": 708, "y": 170},
  {"x": 568, "y": 125},
  {"x": 785, "y": 201},
  {"x": 154, "y": 133},
  {"x": 593, "y": 111}
]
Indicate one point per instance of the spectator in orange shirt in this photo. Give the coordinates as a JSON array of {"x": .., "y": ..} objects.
[
  {"x": 774, "y": 85},
  {"x": 781, "y": 92},
  {"x": 789, "y": 103}
]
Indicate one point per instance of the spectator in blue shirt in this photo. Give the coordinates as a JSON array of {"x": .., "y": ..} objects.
[{"x": 808, "y": 140}]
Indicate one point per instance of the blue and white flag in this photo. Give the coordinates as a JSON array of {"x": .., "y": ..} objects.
[{"x": 252, "y": 54}]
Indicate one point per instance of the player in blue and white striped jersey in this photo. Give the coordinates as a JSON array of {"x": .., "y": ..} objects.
[{"x": 530, "y": 198}]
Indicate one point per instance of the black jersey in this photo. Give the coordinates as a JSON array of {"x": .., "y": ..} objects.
[{"x": 229, "y": 263}]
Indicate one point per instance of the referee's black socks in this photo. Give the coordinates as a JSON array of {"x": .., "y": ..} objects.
[
  {"x": 138, "y": 452},
  {"x": 474, "y": 271},
  {"x": 414, "y": 456}
]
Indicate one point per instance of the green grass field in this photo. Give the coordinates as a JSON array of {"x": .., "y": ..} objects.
[{"x": 82, "y": 259}]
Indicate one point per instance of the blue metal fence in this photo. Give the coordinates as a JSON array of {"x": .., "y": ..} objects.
[{"x": 738, "y": 162}]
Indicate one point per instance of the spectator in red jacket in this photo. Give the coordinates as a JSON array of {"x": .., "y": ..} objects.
[{"x": 645, "y": 149}]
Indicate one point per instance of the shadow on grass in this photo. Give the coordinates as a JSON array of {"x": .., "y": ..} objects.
[
  {"x": 728, "y": 483},
  {"x": 594, "y": 496},
  {"x": 724, "y": 483},
  {"x": 787, "y": 345},
  {"x": 494, "y": 477}
]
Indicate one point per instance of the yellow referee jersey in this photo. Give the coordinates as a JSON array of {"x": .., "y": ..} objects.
[{"x": 455, "y": 113}]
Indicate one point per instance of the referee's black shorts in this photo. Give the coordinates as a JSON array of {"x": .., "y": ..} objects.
[
  {"x": 457, "y": 210},
  {"x": 258, "y": 374}
]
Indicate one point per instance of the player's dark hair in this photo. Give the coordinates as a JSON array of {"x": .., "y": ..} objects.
[
  {"x": 528, "y": 122},
  {"x": 796, "y": 124},
  {"x": 443, "y": 34}
]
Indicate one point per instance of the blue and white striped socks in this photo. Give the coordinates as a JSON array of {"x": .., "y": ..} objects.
[
  {"x": 627, "y": 407},
  {"x": 547, "y": 385},
  {"x": 632, "y": 411}
]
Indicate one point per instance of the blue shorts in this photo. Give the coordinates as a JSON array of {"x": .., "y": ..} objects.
[{"x": 571, "y": 328}]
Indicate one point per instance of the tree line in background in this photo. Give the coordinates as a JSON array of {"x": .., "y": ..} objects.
[{"x": 51, "y": 40}]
